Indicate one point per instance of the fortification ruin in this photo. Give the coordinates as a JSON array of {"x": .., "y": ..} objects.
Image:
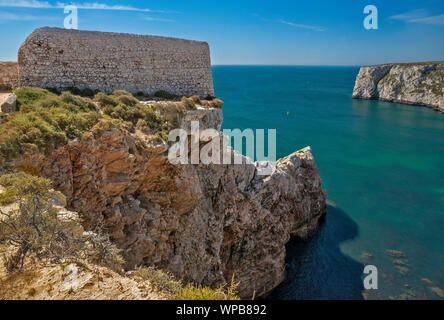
[{"x": 61, "y": 58}]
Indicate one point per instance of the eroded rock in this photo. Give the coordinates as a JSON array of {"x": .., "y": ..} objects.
[
  {"x": 202, "y": 222},
  {"x": 8, "y": 103}
]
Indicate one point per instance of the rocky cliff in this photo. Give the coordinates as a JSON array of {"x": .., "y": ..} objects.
[
  {"x": 410, "y": 83},
  {"x": 203, "y": 223}
]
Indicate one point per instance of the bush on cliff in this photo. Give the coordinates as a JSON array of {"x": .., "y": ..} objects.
[
  {"x": 33, "y": 225},
  {"x": 132, "y": 113},
  {"x": 216, "y": 103},
  {"x": 167, "y": 283},
  {"x": 170, "y": 111},
  {"x": 105, "y": 100},
  {"x": 164, "y": 95},
  {"x": 32, "y": 228},
  {"x": 161, "y": 280},
  {"x": 44, "y": 121},
  {"x": 225, "y": 292},
  {"x": 188, "y": 103}
]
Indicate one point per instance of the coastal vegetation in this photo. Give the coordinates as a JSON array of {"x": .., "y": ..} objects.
[
  {"x": 175, "y": 289},
  {"x": 33, "y": 225},
  {"x": 46, "y": 118}
]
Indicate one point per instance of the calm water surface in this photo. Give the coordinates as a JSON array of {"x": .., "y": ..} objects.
[{"x": 382, "y": 165}]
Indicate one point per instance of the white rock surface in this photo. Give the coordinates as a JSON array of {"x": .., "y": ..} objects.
[
  {"x": 8, "y": 102},
  {"x": 419, "y": 84}
]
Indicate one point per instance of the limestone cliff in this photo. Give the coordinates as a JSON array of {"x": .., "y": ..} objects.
[
  {"x": 203, "y": 223},
  {"x": 410, "y": 83}
]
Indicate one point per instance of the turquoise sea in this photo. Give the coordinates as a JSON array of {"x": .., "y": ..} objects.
[{"x": 382, "y": 165}]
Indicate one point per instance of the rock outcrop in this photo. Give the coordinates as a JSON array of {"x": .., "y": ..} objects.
[
  {"x": 8, "y": 102},
  {"x": 41, "y": 281},
  {"x": 203, "y": 223},
  {"x": 410, "y": 83}
]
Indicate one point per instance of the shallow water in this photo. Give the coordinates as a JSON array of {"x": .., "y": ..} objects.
[{"x": 382, "y": 165}]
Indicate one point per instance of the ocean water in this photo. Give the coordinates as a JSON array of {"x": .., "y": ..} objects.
[{"x": 382, "y": 165}]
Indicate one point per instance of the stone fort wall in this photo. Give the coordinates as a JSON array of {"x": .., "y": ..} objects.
[
  {"x": 61, "y": 58},
  {"x": 8, "y": 75}
]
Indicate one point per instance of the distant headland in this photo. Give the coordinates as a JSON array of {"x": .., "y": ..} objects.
[{"x": 420, "y": 83}]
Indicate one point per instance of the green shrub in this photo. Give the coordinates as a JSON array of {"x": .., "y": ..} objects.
[
  {"x": 216, "y": 103},
  {"x": 88, "y": 92},
  {"x": 119, "y": 93},
  {"x": 103, "y": 125},
  {"x": 204, "y": 103},
  {"x": 83, "y": 104},
  {"x": 45, "y": 120},
  {"x": 164, "y": 95},
  {"x": 161, "y": 280},
  {"x": 74, "y": 90},
  {"x": 188, "y": 103},
  {"x": 141, "y": 123},
  {"x": 170, "y": 111},
  {"x": 26, "y": 95},
  {"x": 48, "y": 103},
  {"x": 35, "y": 226},
  {"x": 127, "y": 100},
  {"x": 105, "y": 100},
  {"x": 19, "y": 185},
  {"x": 203, "y": 293},
  {"x": 225, "y": 292},
  {"x": 196, "y": 99},
  {"x": 53, "y": 90}
]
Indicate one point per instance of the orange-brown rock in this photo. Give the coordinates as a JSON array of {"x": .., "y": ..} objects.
[{"x": 201, "y": 222}]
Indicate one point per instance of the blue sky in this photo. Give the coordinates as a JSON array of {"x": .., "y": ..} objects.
[{"x": 275, "y": 32}]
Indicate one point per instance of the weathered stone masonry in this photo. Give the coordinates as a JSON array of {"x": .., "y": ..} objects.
[
  {"x": 61, "y": 58},
  {"x": 8, "y": 75}
]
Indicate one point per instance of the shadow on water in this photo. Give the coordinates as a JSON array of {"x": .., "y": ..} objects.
[{"x": 316, "y": 267}]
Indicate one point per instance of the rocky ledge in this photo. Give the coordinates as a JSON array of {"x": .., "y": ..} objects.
[{"x": 409, "y": 83}]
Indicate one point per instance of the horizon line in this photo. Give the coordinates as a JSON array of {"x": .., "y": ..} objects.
[{"x": 286, "y": 65}]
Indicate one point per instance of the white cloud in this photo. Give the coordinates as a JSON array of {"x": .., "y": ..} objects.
[
  {"x": 419, "y": 16},
  {"x": 437, "y": 20},
  {"x": 406, "y": 16},
  {"x": 157, "y": 19},
  {"x": 46, "y": 5},
  {"x": 8, "y": 16},
  {"x": 302, "y": 26}
]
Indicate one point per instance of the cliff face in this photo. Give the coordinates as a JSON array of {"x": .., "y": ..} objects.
[
  {"x": 201, "y": 222},
  {"x": 411, "y": 83}
]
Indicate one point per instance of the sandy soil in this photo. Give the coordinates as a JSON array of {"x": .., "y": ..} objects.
[{"x": 73, "y": 282}]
